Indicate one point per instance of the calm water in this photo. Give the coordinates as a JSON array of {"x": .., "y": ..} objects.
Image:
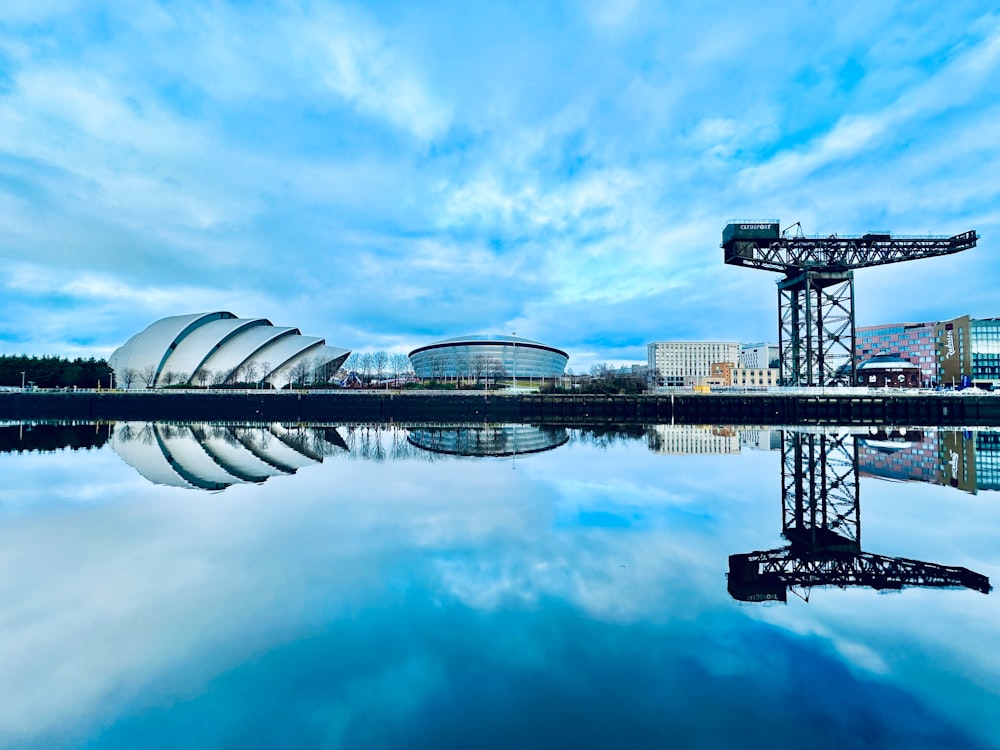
[{"x": 360, "y": 587}]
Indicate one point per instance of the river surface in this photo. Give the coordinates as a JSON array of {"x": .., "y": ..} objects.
[{"x": 502, "y": 586}]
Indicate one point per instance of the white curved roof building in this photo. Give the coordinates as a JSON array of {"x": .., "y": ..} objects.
[
  {"x": 511, "y": 355},
  {"x": 218, "y": 347}
]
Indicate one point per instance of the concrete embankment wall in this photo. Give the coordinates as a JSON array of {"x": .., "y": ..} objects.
[{"x": 479, "y": 407}]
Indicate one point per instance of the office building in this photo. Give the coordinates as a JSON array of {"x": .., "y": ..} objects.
[{"x": 687, "y": 363}]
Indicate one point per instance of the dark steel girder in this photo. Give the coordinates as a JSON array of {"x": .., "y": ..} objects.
[
  {"x": 782, "y": 566},
  {"x": 792, "y": 254}
]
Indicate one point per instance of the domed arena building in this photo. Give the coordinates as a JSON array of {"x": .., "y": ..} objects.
[
  {"x": 493, "y": 356},
  {"x": 217, "y": 348}
]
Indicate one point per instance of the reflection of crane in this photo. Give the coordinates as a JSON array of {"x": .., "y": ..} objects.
[
  {"x": 816, "y": 297},
  {"x": 821, "y": 521}
]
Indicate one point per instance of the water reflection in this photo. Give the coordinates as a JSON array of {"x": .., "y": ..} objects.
[
  {"x": 208, "y": 456},
  {"x": 821, "y": 520},
  {"x": 499, "y": 440},
  {"x": 581, "y": 602},
  {"x": 45, "y": 437}
]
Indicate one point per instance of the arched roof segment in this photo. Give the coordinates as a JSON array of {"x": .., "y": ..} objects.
[
  {"x": 151, "y": 347},
  {"x": 191, "y": 353},
  {"x": 279, "y": 353},
  {"x": 243, "y": 348}
]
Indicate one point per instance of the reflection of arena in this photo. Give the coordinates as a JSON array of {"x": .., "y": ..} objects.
[
  {"x": 209, "y": 456},
  {"x": 495, "y": 356},
  {"x": 488, "y": 440}
]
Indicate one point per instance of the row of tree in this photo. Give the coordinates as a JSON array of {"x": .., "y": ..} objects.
[
  {"x": 250, "y": 374},
  {"x": 378, "y": 366},
  {"x": 54, "y": 372}
]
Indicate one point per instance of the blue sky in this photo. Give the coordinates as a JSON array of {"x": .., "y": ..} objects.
[{"x": 386, "y": 174}]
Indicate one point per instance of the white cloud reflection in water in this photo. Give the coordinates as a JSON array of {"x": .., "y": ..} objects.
[{"x": 575, "y": 597}]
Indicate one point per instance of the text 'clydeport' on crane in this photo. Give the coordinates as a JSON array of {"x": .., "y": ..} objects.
[{"x": 816, "y": 296}]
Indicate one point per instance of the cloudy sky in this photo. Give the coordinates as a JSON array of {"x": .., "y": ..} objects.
[{"x": 386, "y": 174}]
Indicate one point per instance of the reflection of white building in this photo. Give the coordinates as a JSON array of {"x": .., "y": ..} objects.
[
  {"x": 215, "y": 348},
  {"x": 761, "y": 440},
  {"x": 212, "y": 457},
  {"x": 668, "y": 438}
]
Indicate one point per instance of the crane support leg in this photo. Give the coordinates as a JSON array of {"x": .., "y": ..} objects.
[
  {"x": 820, "y": 490},
  {"x": 816, "y": 328}
]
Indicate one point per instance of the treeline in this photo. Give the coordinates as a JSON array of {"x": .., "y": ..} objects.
[
  {"x": 47, "y": 438},
  {"x": 54, "y": 372}
]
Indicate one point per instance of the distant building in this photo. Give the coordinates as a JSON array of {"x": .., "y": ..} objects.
[
  {"x": 914, "y": 342},
  {"x": 492, "y": 356},
  {"x": 956, "y": 352},
  {"x": 755, "y": 377},
  {"x": 687, "y": 363},
  {"x": 727, "y": 375},
  {"x": 888, "y": 371},
  {"x": 761, "y": 356},
  {"x": 984, "y": 350}
]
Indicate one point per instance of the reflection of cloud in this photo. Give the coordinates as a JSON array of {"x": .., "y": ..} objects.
[{"x": 427, "y": 592}]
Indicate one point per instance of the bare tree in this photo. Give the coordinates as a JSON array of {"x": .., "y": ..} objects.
[
  {"x": 495, "y": 369},
  {"x": 435, "y": 364},
  {"x": 127, "y": 376},
  {"x": 265, "y": 371},
  {"x": 400, "y": 365},
  {"x": 600, "y": 371},
  {"x": 219, "y": 377},
  {"x": 352, "y": 363},
  {"x": 366, "y": 362},
  {"x": 380, "y": 360},
  {"x": 480, "y": 365},
  {"x": 299, "y": 373},
  {"x": 201, "y": 376},
  {"x": 147, "y": 375},
  {"x": 251, "y": 370},
  {"x": 318, "y": 371}
]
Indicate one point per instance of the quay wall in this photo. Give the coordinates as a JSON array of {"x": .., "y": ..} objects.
[{"x": 471, "y": 406}]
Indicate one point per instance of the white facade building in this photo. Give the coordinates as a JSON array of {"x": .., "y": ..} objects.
[
  {"x": 759, "y": 356},
  {"x": 217, "y": 348},
  {"x": 685, "y": 363}
]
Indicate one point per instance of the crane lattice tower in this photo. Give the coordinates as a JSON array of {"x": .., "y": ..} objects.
[
  {"x": 821, "y": 520},
  {"x": 816, "y": 296}
]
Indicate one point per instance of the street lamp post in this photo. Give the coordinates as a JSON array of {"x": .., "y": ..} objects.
[{"x": 22, "y": 380}]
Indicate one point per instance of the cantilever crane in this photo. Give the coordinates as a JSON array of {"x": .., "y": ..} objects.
[
  {"x": 821, "y": 519},
  {"x": 816, "y": 296}
]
